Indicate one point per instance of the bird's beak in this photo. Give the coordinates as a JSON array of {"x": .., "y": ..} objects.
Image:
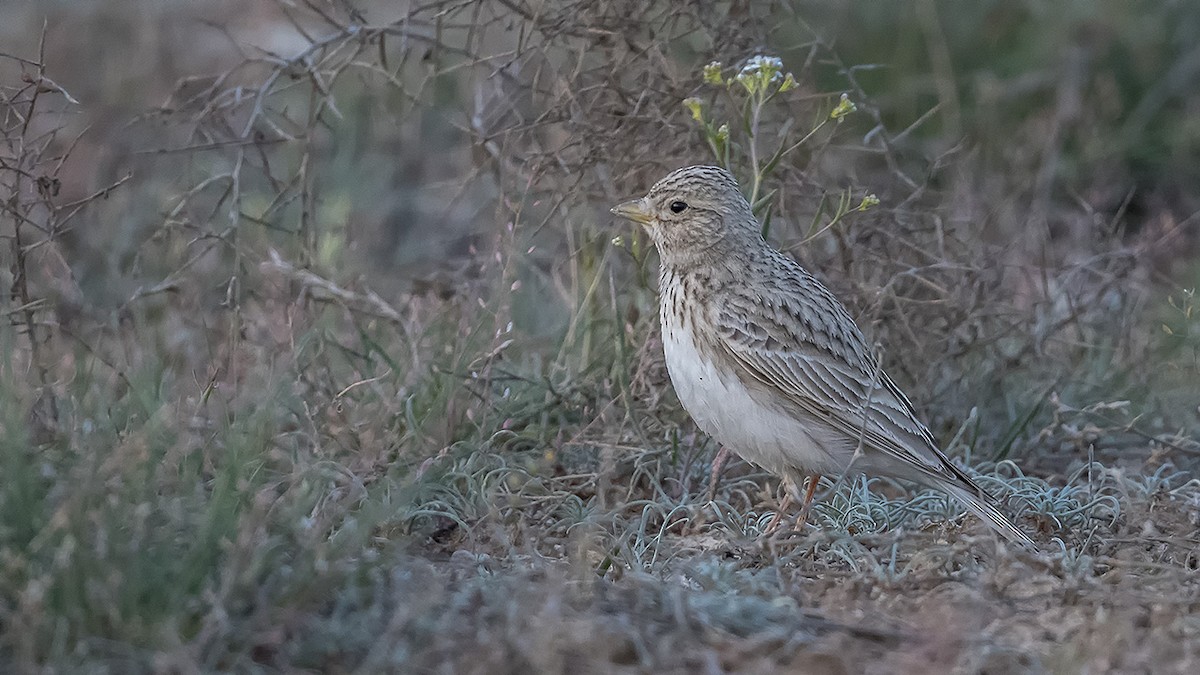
[{"x": 634, "y": 210}]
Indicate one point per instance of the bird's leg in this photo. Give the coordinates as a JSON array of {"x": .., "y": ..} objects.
[
  {"x": 790, "y": 489},
  {"x": 790, "y": 492},
  {"x": 778, "y": 519},
  {"x": 718, "y": 465},
  {"x": 809, "y": 491}
]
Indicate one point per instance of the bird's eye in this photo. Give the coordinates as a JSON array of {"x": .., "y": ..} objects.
[{"x": 678, "y": 207}]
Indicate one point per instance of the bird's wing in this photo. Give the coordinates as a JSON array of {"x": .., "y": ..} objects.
[{"x": 807, "y": 347}]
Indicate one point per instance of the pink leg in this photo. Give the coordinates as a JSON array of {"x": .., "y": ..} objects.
[
  {"x": 778, "y": 519},
  {"x": 809, "y": 491},
  {"x": 718, "y": 465}
]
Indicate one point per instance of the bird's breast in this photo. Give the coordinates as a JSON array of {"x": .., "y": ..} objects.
[{"x": 724, "y": 408}]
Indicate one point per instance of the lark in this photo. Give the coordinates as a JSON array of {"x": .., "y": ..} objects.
[{"x": 769, "y": 363}]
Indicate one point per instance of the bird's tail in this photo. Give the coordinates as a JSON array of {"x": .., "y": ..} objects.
[{"x": 980, "y": 503}]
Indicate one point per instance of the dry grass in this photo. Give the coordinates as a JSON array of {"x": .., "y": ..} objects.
[{"x": 321, "y": 354}]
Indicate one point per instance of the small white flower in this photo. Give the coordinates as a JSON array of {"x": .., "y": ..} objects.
[{"x": 760, "y": 64}]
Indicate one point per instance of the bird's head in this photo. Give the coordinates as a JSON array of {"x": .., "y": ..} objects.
[{"x": 691, "y": 211}]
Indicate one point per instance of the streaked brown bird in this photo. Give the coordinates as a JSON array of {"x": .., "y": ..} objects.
[{"x": 769, "y": 363}]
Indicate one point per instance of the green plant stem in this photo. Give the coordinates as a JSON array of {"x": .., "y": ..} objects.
[{"x": 756, "y": 115}]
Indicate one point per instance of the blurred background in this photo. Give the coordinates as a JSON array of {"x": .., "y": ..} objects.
[
  {"x": 1054, "y": 147},
  {"x": 304, "y": 279}
]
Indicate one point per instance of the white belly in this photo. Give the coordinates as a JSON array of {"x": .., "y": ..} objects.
[{"x": 724, "y": 408}]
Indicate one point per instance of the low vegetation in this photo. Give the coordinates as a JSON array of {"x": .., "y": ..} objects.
[{"x": 322, "y": 352}]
